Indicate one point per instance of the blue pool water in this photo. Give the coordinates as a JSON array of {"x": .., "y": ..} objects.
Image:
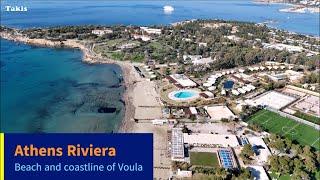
[
  {"x": 184, "y": 94},
  {"x": 228, "y": 84}
]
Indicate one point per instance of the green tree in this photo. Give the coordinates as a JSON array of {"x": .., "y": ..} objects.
[
  {"x": 299, "y": 174},
  {"x": 298, "y": 164},
  {"x": 285, "y": 164},
  {"x": 307, "y": 152},
  {"x": 310, "y": 164},
  {"x": 296, "y": 148},
  {"x": 168, "y": 71},
  {"x": 244, "y": 174},
  {"x": 246, "y": 153},
  {"x": 278, "y": 144},
  {"x": 273, "y": 137},
  {"x": 318, "y": 157},
  {"x": 247, "y": 149},
  {"x": 288, "y": 143},
  {"x": 274, "y": 163},
  {"x": 222, "y": 173},
  {"x": 185, "y": 129}
]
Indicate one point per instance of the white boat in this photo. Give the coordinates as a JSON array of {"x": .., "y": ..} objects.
[{"x": 168, "y": 9}]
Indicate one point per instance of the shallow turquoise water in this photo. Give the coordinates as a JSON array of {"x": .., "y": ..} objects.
[
  {"x": 51, "y": 90},
  {"x": 184, "y": 94}
]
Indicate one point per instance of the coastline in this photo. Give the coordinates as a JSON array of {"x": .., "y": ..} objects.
[
  {"x": 91, "y": 58},
  {"x": 291, "y": 7}
]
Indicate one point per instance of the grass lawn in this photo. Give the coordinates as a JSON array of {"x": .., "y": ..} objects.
[
  {"x": 307, "y": 117},
  {"x": 278, "y": 176},
  {"x": 285, "y": 177},
  {"x": 273, "y": 175},
  {"x": 204, "y": 159},
  {"x": 274, "y": 123}
]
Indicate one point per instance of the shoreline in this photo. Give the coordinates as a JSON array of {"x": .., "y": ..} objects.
[
  {"x": 291, "y": 7},
  {"x": 91, "y": 58}
]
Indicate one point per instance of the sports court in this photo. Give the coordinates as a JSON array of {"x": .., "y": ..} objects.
[
  {"x": 274, "y": 123},
  {"x": 272, "y": 99},
  {"x": 226, "y": 158}
]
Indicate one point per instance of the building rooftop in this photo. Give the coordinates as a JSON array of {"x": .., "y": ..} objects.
[
  {"x": 177, "y": 144},
  {"x": 258, "y": 172},
  {"x": 261, "y": 149},
  {"x": 201, "y": 139},
  {"x": 183, "y": 80},
  {"x": 219, "y": 112}
]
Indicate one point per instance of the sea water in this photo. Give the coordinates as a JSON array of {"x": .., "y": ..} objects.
[{"x": 52, "y": 90}]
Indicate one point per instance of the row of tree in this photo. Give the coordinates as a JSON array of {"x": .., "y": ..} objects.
[{"x": 302, "y": 162}]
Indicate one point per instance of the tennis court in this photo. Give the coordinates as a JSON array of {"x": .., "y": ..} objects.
[{"x": 226, "y": 158}]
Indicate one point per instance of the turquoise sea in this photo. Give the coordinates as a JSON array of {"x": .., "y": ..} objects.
[{"x": 51, "y": 90}]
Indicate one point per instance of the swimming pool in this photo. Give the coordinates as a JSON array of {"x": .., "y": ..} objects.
[
  {"x": 183, "y": 95},
  {"x": 228, "y": 84}
]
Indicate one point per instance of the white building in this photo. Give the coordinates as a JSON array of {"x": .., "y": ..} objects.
[
  {"x": 101, "y": 32},
  {"x": 251, "y": 87},
  {"x": 241, "y": 90},
  {"x": 241, "y": 70},
  {"x": 202, "y": 44},
  {"x": 207, "y": 94},
  {"x": 212, "y": 88},
  {"x": 202, "y": 61},
  {"x": 182, "y": 80},
  {"x": 261, "y": 149},
  {"x": 223, "y": 92},
  {"x": 246, "y": 88},
  {"x": 197, "y": 59},
  {"x": 151, "y": 30},
  {"x": 142, "y": 37},
  {"x": 184, "y": 174},
  {"x": 258, "y": 173},
  {"x": 281, "y": 47},
  {"x": 235, "y": 92},
  {"x": 159, "y": 121},
  {"x": 177, "y": 145},
  {"x": 234, "y": 38},
  {"x": 213, "y": 140},
  {"x": 294, "y": 75},
  {"x": 191, "y": 58},
  {"x": 193, "y": 110}
]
